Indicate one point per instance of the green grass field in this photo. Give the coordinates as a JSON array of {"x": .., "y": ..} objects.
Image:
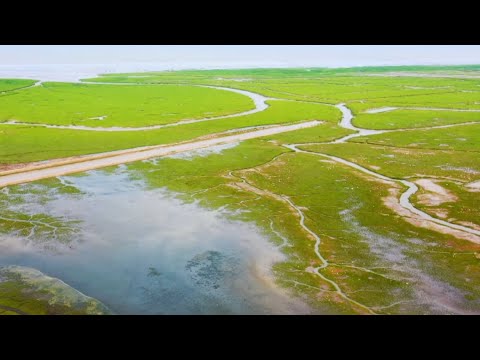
[
  {"x": 21, "y": 144},
  {"x": 8, "y": 85},
  {"x": 407, "y": 119},
  {"x": 329, "y": 85},
  {"x": 460, "y": 138},
  {"x": 452, "y": 170},
  {"x": 381, "y": 260},
  {"x": 111, "y": 105},
  {"x": 342, "y": 206}
]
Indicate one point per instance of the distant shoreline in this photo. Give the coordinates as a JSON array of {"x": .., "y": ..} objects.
[{"x": 75, "y": 72}]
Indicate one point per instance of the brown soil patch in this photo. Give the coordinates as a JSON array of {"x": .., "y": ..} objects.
[
  {"x": 435, "y": 194},
  {"x": 392, "y": 202},
  {"x": 8, "y": 167},
  {"x": 440, "y": 213}
]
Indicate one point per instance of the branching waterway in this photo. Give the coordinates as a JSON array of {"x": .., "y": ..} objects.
[
  {"x": 141, "y": 251},
  {"x": 404, "y": 200}
]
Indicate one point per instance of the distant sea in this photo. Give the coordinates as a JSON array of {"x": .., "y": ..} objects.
[{"x": 74, "y": 72}]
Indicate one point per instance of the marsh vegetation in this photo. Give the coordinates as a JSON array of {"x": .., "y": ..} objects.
[{"x": 373, "y": 213}]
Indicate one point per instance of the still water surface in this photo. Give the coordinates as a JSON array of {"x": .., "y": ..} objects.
[{"x": 145, "y": 252}]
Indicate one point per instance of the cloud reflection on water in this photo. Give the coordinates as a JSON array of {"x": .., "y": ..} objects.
[{"x": 128, "y": 233}]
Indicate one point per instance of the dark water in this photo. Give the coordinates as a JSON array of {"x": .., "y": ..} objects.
[{"x": 145, "y": 252}]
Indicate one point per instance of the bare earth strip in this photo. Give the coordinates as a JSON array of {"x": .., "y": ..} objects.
[{"x": 91, "y": 162}]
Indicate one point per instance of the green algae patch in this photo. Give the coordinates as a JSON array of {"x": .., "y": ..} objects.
[{"x": 26, "y": 291}]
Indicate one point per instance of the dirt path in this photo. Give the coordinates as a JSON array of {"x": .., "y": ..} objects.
[
  {"x": 260, "y": 102},
  {"x": 97, "y": 161}
]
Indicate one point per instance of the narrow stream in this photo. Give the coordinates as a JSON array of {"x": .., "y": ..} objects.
[
  {"x": 259, "y": 101},
  {"x": 346, "y": 123},
  {"x": 143, "y": 251}
]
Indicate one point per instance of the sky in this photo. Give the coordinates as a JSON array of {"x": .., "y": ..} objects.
[{"x": 201, "y": 56}]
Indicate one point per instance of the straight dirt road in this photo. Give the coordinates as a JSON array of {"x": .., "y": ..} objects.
[{"x": 91, "y": 162}]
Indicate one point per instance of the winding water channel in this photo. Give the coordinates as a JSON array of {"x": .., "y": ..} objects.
[
  {"x": 404, "y": 200},
  {"x": 142, "y": 251},
  {"x": 259, "y": 101}
]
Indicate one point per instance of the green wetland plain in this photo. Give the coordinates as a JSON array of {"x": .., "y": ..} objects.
[{"x": 255, "y": 191}]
